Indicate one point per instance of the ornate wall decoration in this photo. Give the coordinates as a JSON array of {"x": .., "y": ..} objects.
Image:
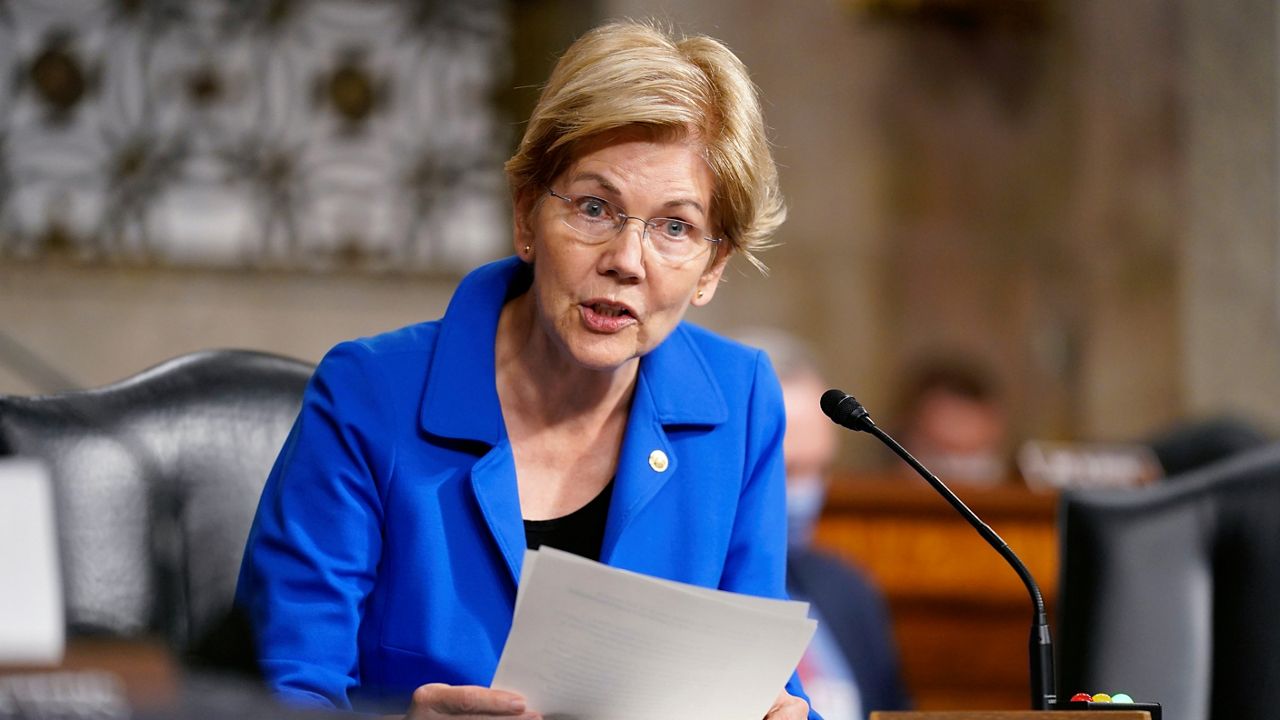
[{"x": 269, "y": 133}]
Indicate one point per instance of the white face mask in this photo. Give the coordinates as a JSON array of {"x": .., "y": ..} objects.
[
  {"x": 805, "y": 496},
  {"x": 975, "y": 468}
]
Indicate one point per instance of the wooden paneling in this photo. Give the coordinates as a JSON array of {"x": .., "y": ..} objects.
[{"x": 961, "y": 616}]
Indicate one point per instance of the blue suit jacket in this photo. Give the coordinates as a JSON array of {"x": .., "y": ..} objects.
[{"x": 388, "y": 541}]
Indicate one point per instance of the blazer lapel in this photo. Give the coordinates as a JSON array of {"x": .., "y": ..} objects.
[
  {"x": 645, "y": 463},
  {"x": 461, "y": 403},
  {"x": 493, "y": 480},
  {"x": 674, "y": 386}
]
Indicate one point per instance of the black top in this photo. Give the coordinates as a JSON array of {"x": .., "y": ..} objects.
[{"x": 581, "y": 532}]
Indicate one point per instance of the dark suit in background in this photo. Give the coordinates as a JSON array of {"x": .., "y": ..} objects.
[{"x": 854, "y": 613}]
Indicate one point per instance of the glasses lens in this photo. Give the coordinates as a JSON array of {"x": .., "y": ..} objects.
[
  {"x": 676, "y": 239},
  {"x": 595, "y": 218}
]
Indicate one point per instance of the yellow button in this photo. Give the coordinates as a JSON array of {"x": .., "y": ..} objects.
[{"x": 658, "y": 461}]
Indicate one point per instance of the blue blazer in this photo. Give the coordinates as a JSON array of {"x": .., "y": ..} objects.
[{"x": 388, "y": 540}]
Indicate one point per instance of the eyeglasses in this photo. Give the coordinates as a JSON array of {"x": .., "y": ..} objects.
[{"x": 597, "y": 221}]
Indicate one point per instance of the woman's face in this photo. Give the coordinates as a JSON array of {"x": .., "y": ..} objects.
[{"x": 605, "y": 305}]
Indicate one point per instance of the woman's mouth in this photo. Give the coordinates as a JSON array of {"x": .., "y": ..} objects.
[{"x": 606, "y": 317}]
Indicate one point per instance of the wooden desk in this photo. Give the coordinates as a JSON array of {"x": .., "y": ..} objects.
[
  {"x": 116, "y": 678},
  {"x": 961, "y": 616},
  {"x": 146, "y": 670}
]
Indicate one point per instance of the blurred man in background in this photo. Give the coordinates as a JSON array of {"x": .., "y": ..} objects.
[
  {"x": 952, "y": 418},
  {"x": 851, "y": 667}
]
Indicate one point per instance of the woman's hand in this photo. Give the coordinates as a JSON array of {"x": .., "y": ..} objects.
[
  {"x": 467, "y": 702},
  {"x": 788, "y": 707}
]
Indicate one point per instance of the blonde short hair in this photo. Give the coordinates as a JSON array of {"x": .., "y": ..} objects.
[{"x": 631, "y": 74}]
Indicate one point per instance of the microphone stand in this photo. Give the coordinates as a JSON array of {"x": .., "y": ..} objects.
[{"x": 845, "y": 410}]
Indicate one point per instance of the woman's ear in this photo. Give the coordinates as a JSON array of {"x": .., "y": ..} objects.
[
  {"x": 710, "y": 278},
  {"x": 523, "y": 206}
]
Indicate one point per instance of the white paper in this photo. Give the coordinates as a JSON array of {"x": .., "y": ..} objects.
[
  {"x": 785, "y": 608},
  {"x": 31, "y": 625},
  {"x": 591, "y": 642}
]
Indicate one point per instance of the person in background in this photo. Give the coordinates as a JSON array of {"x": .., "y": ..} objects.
[
  {"x": 560, "y": 401},
  {"x": 851, "y": 667},
  {"x": 952, "y": 419}
]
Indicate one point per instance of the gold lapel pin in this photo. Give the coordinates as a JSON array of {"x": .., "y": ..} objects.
[{"x": 658, "y": 461}]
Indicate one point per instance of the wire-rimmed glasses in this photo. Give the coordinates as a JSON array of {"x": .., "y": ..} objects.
[{"x": 597, "y": 221}]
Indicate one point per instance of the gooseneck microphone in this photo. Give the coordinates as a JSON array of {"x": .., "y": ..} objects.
[{"x": 845, "y": 410}]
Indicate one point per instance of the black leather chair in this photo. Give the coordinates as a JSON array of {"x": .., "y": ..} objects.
[
  {"x": 156, "y": 481},
  {"x": 1171, "y": 593},
  {"x": 1191, "y": 445}
]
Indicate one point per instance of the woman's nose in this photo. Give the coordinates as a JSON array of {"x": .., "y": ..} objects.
[{"x": 624, "y": 255}]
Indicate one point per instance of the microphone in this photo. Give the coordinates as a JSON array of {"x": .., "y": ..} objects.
[{"x": 845, "y": 410}]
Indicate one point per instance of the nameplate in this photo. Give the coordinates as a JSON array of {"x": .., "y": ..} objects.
[
  {"x": 1071, "y": 466},
  {"x": 31, "y": 620}
]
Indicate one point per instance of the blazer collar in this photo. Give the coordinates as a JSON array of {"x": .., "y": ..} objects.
[
  {"x": 681, "y": 384},
  {"x": 461, "y": 396}
]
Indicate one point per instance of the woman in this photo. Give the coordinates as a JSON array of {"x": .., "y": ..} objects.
[{"x": 559, "y": 400}]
